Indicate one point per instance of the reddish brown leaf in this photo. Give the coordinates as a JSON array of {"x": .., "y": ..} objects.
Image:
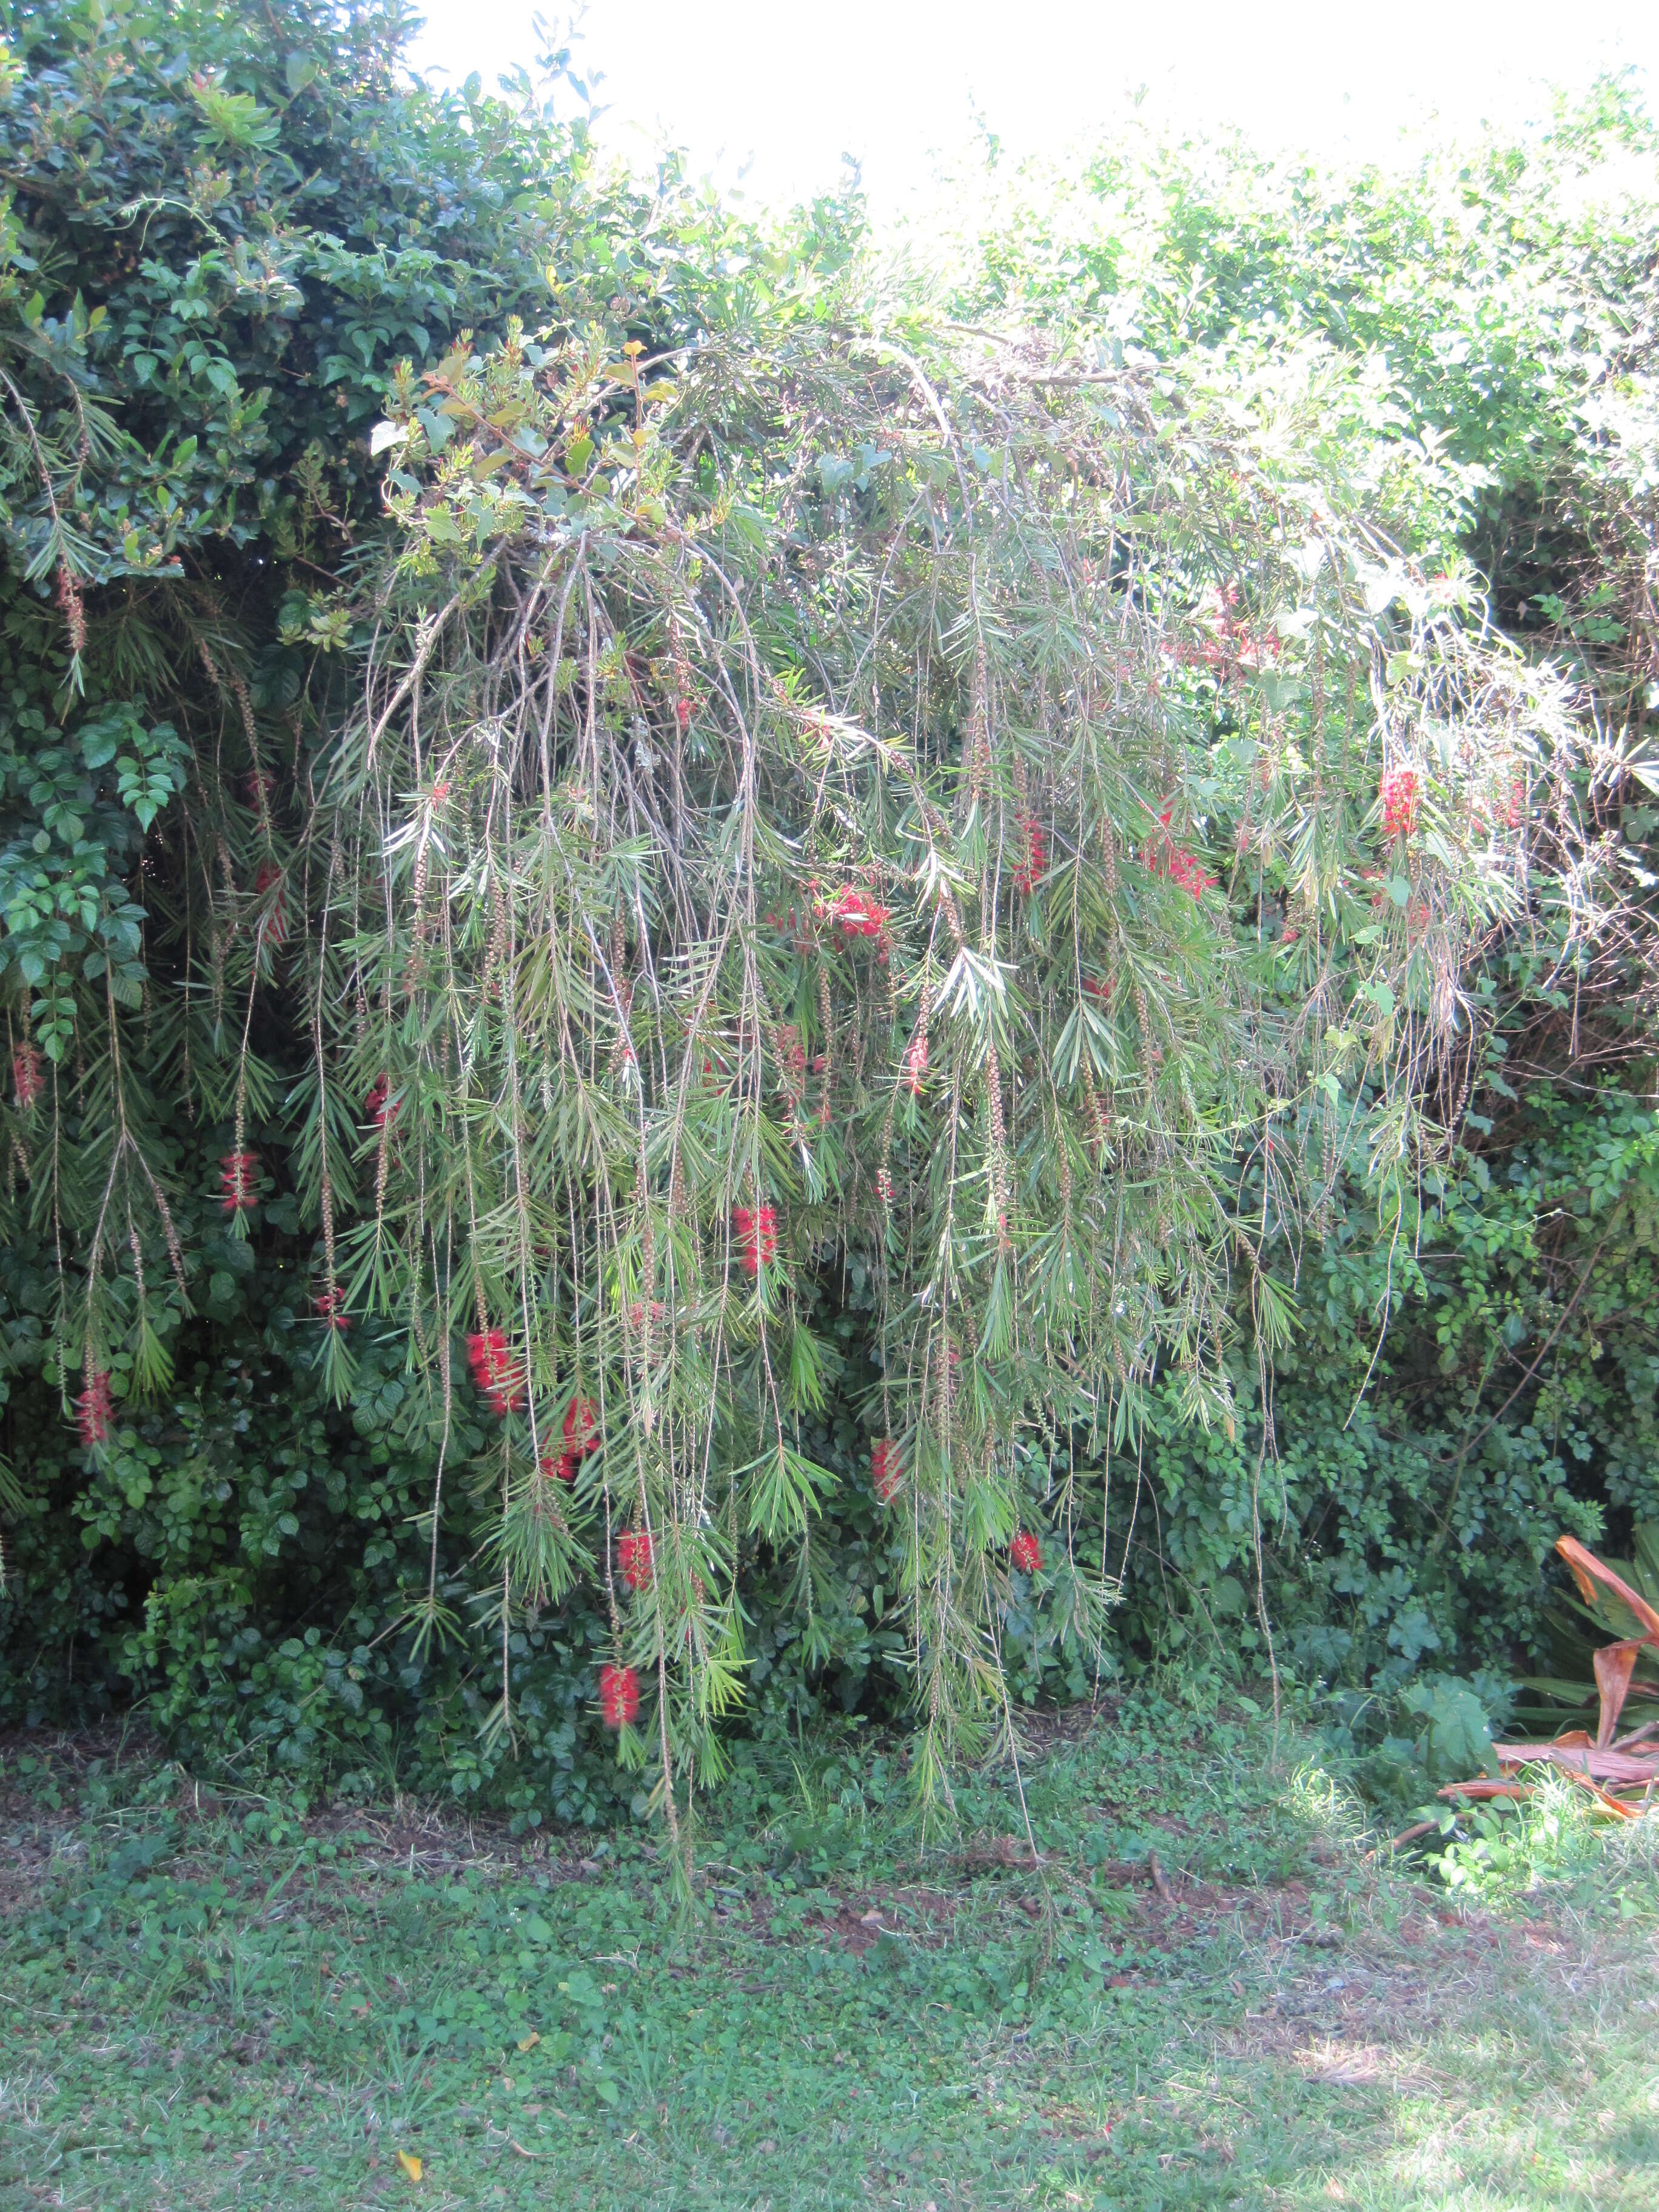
[
  {"x": 1481, "y": 1785},
  {"x": 1629, "y": 1769},
  {"x": 1588, "y": 1571},
  {"x": 1615, "y": 1665}
]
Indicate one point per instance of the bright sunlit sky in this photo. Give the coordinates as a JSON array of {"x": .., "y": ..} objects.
[{"x": 789, "y": 89}]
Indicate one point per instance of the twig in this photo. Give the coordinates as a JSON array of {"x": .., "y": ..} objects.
[{"x": 1406, "y": 1836}]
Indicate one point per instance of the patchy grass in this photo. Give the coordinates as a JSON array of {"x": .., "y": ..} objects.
[{"x": 1205, "y": 1995}]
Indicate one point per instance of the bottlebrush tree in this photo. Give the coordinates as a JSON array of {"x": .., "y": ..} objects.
[{"x": 812, "y": 796}]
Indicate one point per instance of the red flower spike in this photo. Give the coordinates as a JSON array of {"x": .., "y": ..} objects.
[
  {"x": 94, "y": 1409},
  {"x": 26, "y": 1075},
  {"x": 1401, "y": 794},
  {"x": 561, "y": 1469},
  {"x": 1026, "y": 1552},
  {"x": 495, "y": 1371},
  {"x": 683, "y": 713},
  {"x": 330, "y": 1307},
  {"x": 916, "y": 1063},
  {"x": 1184, "y": 870},
  {"x": 634, "y": 1558},
  {"x": 1034, "y": 860},
  {"x": 378, "y": 1105},
  {"x": 582, "y": 1428},
  {"x": 854, "y": 913},
  {"x": 1164, "y": 859},
  {"x": 236, "y": 1173},
  {"x": 886, "y": 1469},
  {"x": 756, "y": 1229},
  {"x": 619, "y": 1695},
  {"x": 1097, "y": 988}
]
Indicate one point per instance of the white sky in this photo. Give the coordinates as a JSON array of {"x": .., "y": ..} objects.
[{"x": 787, "y": 89}]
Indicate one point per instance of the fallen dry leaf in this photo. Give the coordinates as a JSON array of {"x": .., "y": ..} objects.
[{"x": 411, "y": 2164}]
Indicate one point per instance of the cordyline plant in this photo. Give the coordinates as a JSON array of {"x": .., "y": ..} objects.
[{"x": 812, "y": 797}]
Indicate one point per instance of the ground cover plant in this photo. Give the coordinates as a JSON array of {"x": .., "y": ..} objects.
[{"x": 1212, "y": 1989}]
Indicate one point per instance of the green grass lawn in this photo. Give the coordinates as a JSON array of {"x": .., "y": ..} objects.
[{"x": 1206, "y": 1995}]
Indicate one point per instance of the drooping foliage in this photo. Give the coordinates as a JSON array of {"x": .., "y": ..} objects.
[
  {"x": 826, "y": 852},
  {"x": 749, "y": 936}
]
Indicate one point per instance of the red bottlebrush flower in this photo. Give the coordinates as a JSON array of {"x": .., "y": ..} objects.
[
  {"x": 1026, "y": 1552},
  {"x": 26, "y": 1075},
  {"x": 1184, "y": 870},
  {"x": 619, "y": 1695},
  {"x": 683, "y": 713},
  {"x": 1512, "y": 813},
  {"x": 261, "y": 788},
  {"x": 885, "y": 1186},
  {"x": 561, "y": 1469},
  {"x": 331, "y": 1307},
  {"x": 1401, "y": 794},
  {"x": 378, "y": 1105},
  {"x": 1034, "y": 860},
  {"x": 916, "y": 1063},
  {"x": 854, "y": 913},
  {"x": 1164, "y": 858},
  {"x": 756, "y": 1229},
  {"x": 486, "y": 1348},
  {"x": 236, "y": 1173},
  {"x": 272, "y": 925},
  {"x": 94, "y": 1409},
  {"x": 497, "y": 1375},
  {"x": 634, "y": 1558},
  {"x": 1290, "y": 933},
  {"x": 886, "y": 1469},
  {"x": 582, "y": 1428},
  {"x": 1099, "y": 988}
]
